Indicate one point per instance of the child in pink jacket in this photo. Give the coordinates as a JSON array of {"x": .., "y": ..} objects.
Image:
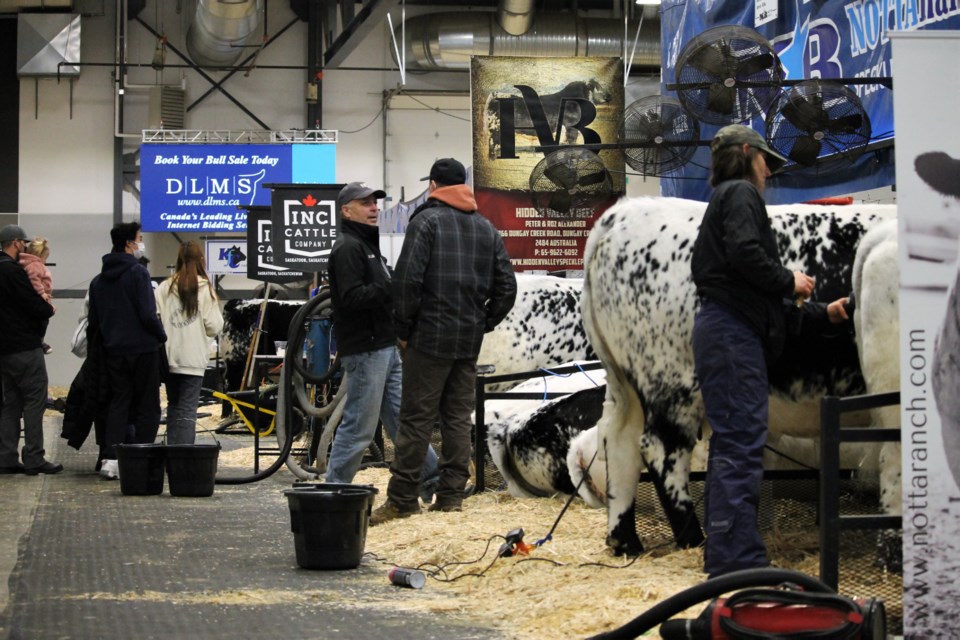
[{"x": 32, "y": 260}]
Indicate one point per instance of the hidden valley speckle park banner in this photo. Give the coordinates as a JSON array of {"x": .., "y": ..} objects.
[{"x": 198, "y": 187}]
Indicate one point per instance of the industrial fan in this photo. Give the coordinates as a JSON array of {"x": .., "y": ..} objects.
[
  {"x": 817, "y": 121},
  {"x": 728, "y": 74},
  {"x": 658, "y": 135},
  {"x": 569, "y": 183}
]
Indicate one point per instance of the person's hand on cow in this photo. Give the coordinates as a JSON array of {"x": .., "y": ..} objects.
[
  {"x": 802, "y": 285},
  {"x": 837, "y": 311}
]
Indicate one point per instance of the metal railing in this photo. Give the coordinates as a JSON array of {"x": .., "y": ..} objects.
[
  {"x": 831, "y": 522},
  {"x": 196, "y": 136}
]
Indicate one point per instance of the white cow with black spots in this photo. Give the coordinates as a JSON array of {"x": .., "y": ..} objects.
[{"x": 639, "y": 303}]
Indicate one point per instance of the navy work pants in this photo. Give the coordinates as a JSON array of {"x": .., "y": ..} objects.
[{"x": 732, "y": 371}]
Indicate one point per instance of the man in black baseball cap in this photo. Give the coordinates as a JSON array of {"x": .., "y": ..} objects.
[
  {"x": 446, "y": 172},
  {"x": 453, "y": 283}
]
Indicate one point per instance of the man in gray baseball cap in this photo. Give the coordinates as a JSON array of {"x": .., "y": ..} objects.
[
  {"x": 357, "y": 191},
  {"x": 740, "y": 134},
  {"x": 23, "y": 318}
]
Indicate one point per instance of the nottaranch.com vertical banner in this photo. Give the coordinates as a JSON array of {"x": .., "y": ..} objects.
[
  {"x": 545, "y": 164},
  {"x": 928, "y": 200}
]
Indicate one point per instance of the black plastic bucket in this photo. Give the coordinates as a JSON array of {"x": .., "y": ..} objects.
[
  {"x": 141, "y": 469},
  {"x": 192, "y": 469},
  {"x": 329, "y": 523}
]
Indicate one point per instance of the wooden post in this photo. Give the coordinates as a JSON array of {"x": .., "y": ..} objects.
[{"x": 255, "y": 340}]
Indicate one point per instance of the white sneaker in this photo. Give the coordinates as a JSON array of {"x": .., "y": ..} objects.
[{"x": 110, "y": 470}]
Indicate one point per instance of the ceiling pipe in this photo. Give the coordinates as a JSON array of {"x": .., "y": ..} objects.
[
  {"x": 447, "y": 40},
  {"x": 515, "y": 16},
  {"x": 219, "y": 30}
]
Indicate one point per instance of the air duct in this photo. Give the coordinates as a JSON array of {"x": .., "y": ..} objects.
[
  {"x": 447, "y": 40},
  {"x": 220, "y": 29},
  {"x": 515, "y": 16}
]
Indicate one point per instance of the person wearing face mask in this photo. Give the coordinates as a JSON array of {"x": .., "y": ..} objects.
[
  {"x": 124, "y": 312},
  {"x": 23, "y": 321}
]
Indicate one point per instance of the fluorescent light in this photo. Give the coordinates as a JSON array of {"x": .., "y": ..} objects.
[{"x": 647, "y": 1}]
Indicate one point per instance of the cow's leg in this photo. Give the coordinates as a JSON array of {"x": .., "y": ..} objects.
[
  {"x": 620, "y": 430},
  {"x": 667, "y": 450},
  {"x": 890, "y": 542}
]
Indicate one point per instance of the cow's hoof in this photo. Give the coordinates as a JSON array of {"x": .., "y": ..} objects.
[
  {"x": 890, "y": 552},
  {"x": 621, "y": 548}
]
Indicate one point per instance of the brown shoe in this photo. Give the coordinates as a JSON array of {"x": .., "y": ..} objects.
[
  {"x": 445, "y": 506},
  {"x": 388, "y": 511}
]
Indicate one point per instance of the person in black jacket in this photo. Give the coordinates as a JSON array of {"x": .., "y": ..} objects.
[
  {"x": 23, "y": 322},
  {"x": 124, "y": 311},
  {"x": 365, "y": 337},
  {"x": 453, "y": 283},
  {"x": 740, "y": 329}
]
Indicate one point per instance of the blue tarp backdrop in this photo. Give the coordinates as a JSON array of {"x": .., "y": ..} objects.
[{"x": 826, "y": 39}]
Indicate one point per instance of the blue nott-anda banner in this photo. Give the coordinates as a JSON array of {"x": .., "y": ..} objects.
[
  {"x": 198, "y": 187},
  {"x": 824, "y": 39}
]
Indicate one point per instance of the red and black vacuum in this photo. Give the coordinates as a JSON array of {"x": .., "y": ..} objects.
[{"x": 798, "y": 607}]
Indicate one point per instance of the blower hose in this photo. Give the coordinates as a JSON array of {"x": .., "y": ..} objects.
[
  {"x": 291, "y": 361},
  {"x": 712, "y": 588}
]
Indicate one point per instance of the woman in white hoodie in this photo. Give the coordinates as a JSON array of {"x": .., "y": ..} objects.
[{"x": 191, "y": 316}]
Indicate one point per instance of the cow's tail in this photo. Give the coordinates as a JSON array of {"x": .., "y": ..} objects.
[{"x": 617, "y": 381}]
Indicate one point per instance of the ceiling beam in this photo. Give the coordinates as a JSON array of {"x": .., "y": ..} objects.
[{"x": 371, "y": 15}]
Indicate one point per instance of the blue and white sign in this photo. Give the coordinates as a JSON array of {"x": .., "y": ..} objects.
[
  {"x": 227, "y": 257},
  {"x": 198, "y": 187},
  {"x": 824, "y": 39}
]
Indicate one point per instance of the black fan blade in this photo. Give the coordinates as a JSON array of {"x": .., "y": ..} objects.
[
  {"x": 711, "y": 59},
  {"x": 647, "y": 126},
  {"x": 805, "y": 151},
  {"x": 754, "y": 64},
  {"x": 560, "y": 201},
  {"x": 846, "y": 124},
  {"x": 593, "y": 178},
  {"x": 721, "y": 99},
  {"x": 805, "y": 114},
  {"x": 561, "y": 175}
]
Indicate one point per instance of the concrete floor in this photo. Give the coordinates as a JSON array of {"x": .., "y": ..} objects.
[{"x": 78, "y": 560}]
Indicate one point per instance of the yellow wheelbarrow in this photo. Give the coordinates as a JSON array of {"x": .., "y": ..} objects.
[{"x": 244, "y": 403}]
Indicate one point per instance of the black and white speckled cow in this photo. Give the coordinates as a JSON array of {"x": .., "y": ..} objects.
[
  {"x": 529, "y": 440},
  {"x": 544, "y": 328},
  {"x": 639, "y": 304}
]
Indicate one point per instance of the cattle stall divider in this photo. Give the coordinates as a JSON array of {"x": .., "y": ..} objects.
[
  {"x": 831, "y": 522},
  {"x": 480, "y": 426}
]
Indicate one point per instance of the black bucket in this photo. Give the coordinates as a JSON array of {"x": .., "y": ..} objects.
[
  {"x": 141, "y": 469},
  {"x": 329, "y": 523},
  {"x": 192, "y": 469}
]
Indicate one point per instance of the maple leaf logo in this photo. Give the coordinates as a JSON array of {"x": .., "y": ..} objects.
[{"x": 309, "y": 200}]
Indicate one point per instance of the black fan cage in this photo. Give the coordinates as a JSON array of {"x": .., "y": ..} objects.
[
  {"x": 818, "y": 124},
  {"x": 570, "y": 183},
  {"x": 658, "y": 135},
  {"x": 728, "y": 74}
]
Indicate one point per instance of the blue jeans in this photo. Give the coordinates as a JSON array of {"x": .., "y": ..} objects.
[
  {"x": 374, "y": 382},
  {"x": 183, "y": 397},
  {"x": 732, "y": 371}
]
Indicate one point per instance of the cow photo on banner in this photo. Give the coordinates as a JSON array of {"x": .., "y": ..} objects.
[
  {"x": 542, "y": 169},
  {"x": 304, "y": 229},
  {"x": 926, "y": 242}
]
